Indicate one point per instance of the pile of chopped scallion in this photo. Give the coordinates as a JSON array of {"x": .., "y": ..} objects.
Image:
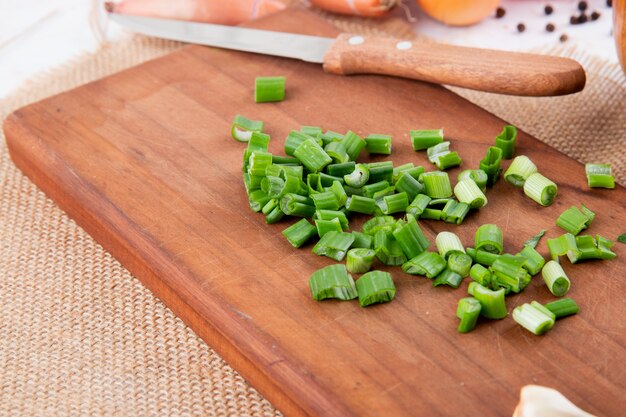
[{"x": 320, "y": 181}]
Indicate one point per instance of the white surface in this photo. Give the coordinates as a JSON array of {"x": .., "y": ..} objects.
[{"x": 37, "y": 35}]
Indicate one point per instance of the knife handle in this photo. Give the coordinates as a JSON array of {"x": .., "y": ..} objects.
[{"x": 479, "y": 69}]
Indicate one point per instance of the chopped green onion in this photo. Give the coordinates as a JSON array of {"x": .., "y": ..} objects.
[
  {"x": 257, "y": 199},
  {"x": 311, "y": 130},
  {"x": 333, "y": 281},
  {"x": 563, "y": 245},
  {"x": 373, "y": 225},
  {"x": 520, "y": 169},
  {"x": 476, "y": 175},
  {"x": 506, "y": 141},
  {"x": 481, "y": 275},
  {"x": 334, "y": 245},
  {"x": 442, "y": 157},
  {"x": 299, "y": 233},
  {"x": 370, "y": 189},
  {"x": 482, "y": 257},
  {"x": 533, "y": 241},
  {"x": 268, "y": 89},
  {"x": 361, "y": 240},
  {"x": 258, "y": 162},
  {"x": 325, "y": 226},
  {"x": 358, "y": 177},
  {"x": 269, "y": 206},
  {"x": 394, "y": 203},
  {"x": 491, "y": 302},
  {"x": 354, "y": 144},
  {"x": 509, "y": 273},
  {"x": 409, "y": 185},
  {"x": 424, "y": 139},
  {"x": 454, "y": 212},
  {"x": 383, "y": 193},
  {"x": 436, "y": 202},
  {"x": 379, "y": 144},
  {"x": 449, "y": 160},
  {"x": 534, "y": 261},
  {"x": 375, "y": 287},
  {"x": 448, "y": 277},
  {"x": 408, "y": 168},
  {"x": 555, "y": 278},
  {"x": 339, "y": 170},
  {"x": 360, "y": 204},
  {"x": 429, "y": 264},
  {"x": 331, "y": 136},
  {"x": 468, "y": 311},
  {"x": 297, "y": 205},
  {"x": 294, "y": 139},
  {"x": 312, "y": 156},
  {"x": 417, "y": 206},
  {"x": 380, "y": 171},
  {"x": 287, "y": 160},
  {"x": 489, "y": 239},
  {"x": 387, "y": 248},
  {"x": 436, "y": 184},
  {"x": 574, "y": 220},
  {"x": 360, "y": 260},
  {"x": 460, "y": 263},
  {"x": 431, "y": 214},
  {"x": 337, "y": 152},
  {"x": 411, "y": 238},
  {"x": 563, "y": 307},
  {"x": 242, "y": 128},
  {"x": 331, "y": 214},
  {"x": 467, "y": 191},
  {"x": 314, "y": 183},
  {"x": 600, "y": 175},
  {"x": 448, "y": 243},
  {"x": 339, "y": 192},
  {"x": 590, "y": 248},
  {"x": 325, "y": 201},
  {"x": 533, "y": 319},
  {"x": 490, "y": 164},
  {"x": 540, "y": 189},
  {"x": 274, "y": 216}
]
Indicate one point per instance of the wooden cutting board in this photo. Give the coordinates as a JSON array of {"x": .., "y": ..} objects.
[{"x": 143, "y": 161}]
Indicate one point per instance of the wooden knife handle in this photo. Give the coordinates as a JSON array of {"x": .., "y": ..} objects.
[{"x": 479, "y": 69}]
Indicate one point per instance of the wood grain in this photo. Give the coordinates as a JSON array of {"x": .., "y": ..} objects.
[
  {"x": 144, "y": 162},
  {"x": 480, "y": 69}
]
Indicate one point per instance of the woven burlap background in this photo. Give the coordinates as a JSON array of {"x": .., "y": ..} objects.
[{"x": 80, "y": 335}]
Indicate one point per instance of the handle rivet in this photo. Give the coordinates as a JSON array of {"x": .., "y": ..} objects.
[
  {"x": 356, "y": 40},
  {"x": 404, "y": 45}
]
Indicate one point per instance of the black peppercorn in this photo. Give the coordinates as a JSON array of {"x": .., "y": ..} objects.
[
  {"x": 521, "y": 27},
  {"x": 582, "y": 6},
  {"x": 609, "y": 3},
  {"x": 583, "y": 18},
  {"x": 573, "y": 20},
  {"x": 548, "y": 9},
  {"x": 550, "y": 27},
  {"x": 595, "y": 15},
  {"x": 563, "y": 37},
  {"x": 500, "y": 12}
]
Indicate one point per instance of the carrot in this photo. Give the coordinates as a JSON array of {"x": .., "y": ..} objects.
[
  {"x": 459, "y": 12},
  {"x": 224, "y": 12},
  {"x": 370, "y": 8}
]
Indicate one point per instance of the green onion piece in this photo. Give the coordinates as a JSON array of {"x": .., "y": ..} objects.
[
  {"x": 460, "y": 263},
  {"x": 333, "y": 281},
  {"x": 482, "y": 257},
  {"x": 361, "y": 240},
  {"x": 409, "y": 185},
  {"x": 290, "y": 170},
  {"x": 258, "y": 162},
  {"x": 269, "y": 206},
  {"x": 489, "y": 239},
  {"x": 358, "y": 177},
  {"x": 467, "y": 191},
  {"x": 387, "y": 249},
  {"x": 411, "y": 238},
  {"x": 360, "y": 204},
  {"x": 360, "y": 260},
  {"x": 314, "y": 183},
  {"x": 259, "y": 142},
  {"x": 294, "y": 139},
  {"x": 449, "y": 160},
  {"x": 448, "y": 277},
  {"x": 429, "y": 264},
  {"x": 378, "y": 144},
  {"x": 540, "y": 189},
  {"x": 563, "y": 245},
  {"x": 337, "y": 189},
  {"x": 370, "y": 189},
  {"x": 534, "y": 261},
  {"x": 468, "y": 311},
  {"x": 533, "y": 319},
  {"x": 383, "y": 193},
  {"x": 520, "y": 169},
  {"x": 533, "y": 241},
  {"x": 354, "y": 144},
  {"x": 600, "y": 176},
  {"x": 331, "y": 136},
  {"x": 563, "y": 307},
  {"x": 574, "y": 220},
  {"x": 555, "y": 278},
  {"x": 286, "y": 160},
  {"x": 373, "y": 225},
  {"x": 242, "y": 128},
  {"x": 337, "y": 152},
  {"x": 543, "y": 309},
  {"x": 339, "y": 170},
  {"x": 424, "y": 139},
  {"x": 297, "y": 205},
  {"x": 380, "y": 171},
  {"x": 437, "y": 184},
  {"x": 328, "y": 180},
  {"x": 490, "y": 164},
  {"x": 604, "y": 247},
  {"x": 437, "y": 151},
  {"x": 334, "y": 245},
  {"x": 440, "y": 202},
  {"x": 274, "y": 216},
  {"x": 325, "y": 201},
  {"x": 312, "y": 156},
  {"x": 506, "y": 141},
  {"x": 454, "y": 212},
  {"x": 375, "y": 287},
  {"x": 509, "y": 273},
  {"x": 590, "y": 248},
  {"x": 408, "y": 168},
  {"x": 325, "y": 226},
  {"x": 431, "y": 214},
  {"x": 277, "y": 188},
  {"x": 257, "y": 199},
  {"x": 394, "y": 203},
  {"x": 448, "y": 243},
  {"x": 268, "y": 89},
  {"x": 311, "y": 130},
  {"x": 299, "y": 233},
  {"x": 417, "y": 206},
  {"x": 331, "y": 214},
  {"x": 481, "y": 275},
  {"x": 491, "y": 302},
  {"x": 476, "y": 175}
]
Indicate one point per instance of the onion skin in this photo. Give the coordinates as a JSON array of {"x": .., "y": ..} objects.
[
  {"x": 369, "y": 8},
  {"x": 459, "y": 12}
]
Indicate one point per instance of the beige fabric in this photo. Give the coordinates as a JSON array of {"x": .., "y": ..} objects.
[{"x": 80, "y": 336}]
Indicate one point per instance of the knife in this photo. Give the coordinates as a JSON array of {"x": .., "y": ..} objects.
[{"x": 479, "y": 69}]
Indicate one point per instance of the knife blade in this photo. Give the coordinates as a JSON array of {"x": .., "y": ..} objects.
[{"x": 480, "y": 69}]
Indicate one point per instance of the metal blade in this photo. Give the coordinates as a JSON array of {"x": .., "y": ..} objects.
[{"x": 304, "y": 47}]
